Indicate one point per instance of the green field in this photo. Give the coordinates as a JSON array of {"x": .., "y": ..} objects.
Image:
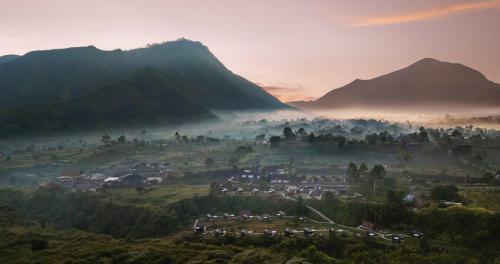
[{"x": 157, "y": 197}]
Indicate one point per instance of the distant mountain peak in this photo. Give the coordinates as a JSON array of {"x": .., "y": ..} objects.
[
  {"x": 63, "y": 74},
  {"x": 428, "y": 60},
  {"x": 426, "y": 83}
]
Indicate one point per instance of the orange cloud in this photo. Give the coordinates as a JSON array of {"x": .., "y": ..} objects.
[
  {"x": 288, "y": 93},
  {"x": 439, "y": 11}
]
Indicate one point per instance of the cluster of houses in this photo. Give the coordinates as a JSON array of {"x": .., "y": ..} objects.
[
  {"x": 315, "y": 192},
  {"x": 246, "y": 215},
  {"x": 243, "y": 215},
  {"x": 273, "y": 174},
  {"x": 277, "y": 178},
  {"x": 141, "y": 174}
]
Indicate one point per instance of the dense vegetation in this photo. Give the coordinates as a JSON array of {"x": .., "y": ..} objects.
[
  {"x": 27, "y": 224},
  {"x": 93, "y": 213},
  {"x": 57, "y": 75},
  {"x": 147, "y": 97}
]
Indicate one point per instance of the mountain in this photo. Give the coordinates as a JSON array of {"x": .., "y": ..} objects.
[
  {"x": 7, "y": 58},
  {"x": 426, "y": 83},
  {"x": 147, "y": 97},
  {"x": 64, "y": 74}
]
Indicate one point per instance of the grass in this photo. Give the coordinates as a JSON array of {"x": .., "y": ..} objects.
[
  {"x": 487, "y": 199},
  {"x": 158, "y": 197},
  {"x": 71, "y": 246}
]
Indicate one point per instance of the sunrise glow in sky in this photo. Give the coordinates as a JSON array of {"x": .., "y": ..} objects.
[{"x": 297, "y": 49}]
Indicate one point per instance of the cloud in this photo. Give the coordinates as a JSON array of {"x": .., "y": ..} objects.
[
  {"x": 438, "y": 11},
  {"x": 288, "y": 93}
]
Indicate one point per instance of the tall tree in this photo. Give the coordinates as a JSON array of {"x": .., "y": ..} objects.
[
  {"x": 353, "y": 173},
  {"x": 377, "y": 173}
]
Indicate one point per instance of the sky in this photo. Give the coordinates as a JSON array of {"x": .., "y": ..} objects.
[{"x": 295, "y": 49}]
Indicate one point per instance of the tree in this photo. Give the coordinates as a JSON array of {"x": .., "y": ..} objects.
[
  {"x": 209, "y": 162},
  {"x": 260, "y": 137},
  {"x": 445, "y": 193},
  {"x": 300, "y": 207},
  {"x": 312, "y": 138},
  {"x": 214, "y": 187},
  {"x": 372, "y": 139},
  {"x": 405, "y": 156},
  {"x": 275, "y": 141},
  {"x": 363, "y": 169},
  {"x": 122, "y": 139},
  {"x": 301, "y": 131},
  {"x": 353, "y": 173},
  {"x": 288, "y": 133},
  {"x": 106, "y": 139},
  {"x": 422, "y": 135},
  {"x": 377, "y": 173},
  {"x": 234, "y": 162},
  {"x": 244, "y": 149}
]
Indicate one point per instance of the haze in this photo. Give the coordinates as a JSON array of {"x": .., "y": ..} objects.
[{"x": 296, "y": 49}]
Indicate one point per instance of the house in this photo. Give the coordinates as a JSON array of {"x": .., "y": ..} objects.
[
  {"x": 270, "y": 233},
  {"x": 132, "y": 180},
  {"x": 266, "y": 217},
  {"x": 199, "y": 229},
  {"x": 244, "y": 213},
  {"x": 248, "y": 174},
  {"x": 288, "y": 232},
  {"x": 240, "y": 190},
  {"x": 416, "y": 234},
  {"x": 111, "y": 179},
  {"x": 445, "y": 203},
  {"x": 255, "y": 191},
  {"x": 275, "y": 173},
  {"x": 243, "y": 233},
  {"x": 292, "y": 189},
  {"x": 308, "y": 232},
  {"x": 396, "y": 239},
  {"x": 409, "y": 198},
  {"x": 153, "y": 181},
  {"x": 368, "y": 225},
  {"x": 316, "y": 194},
  {"x": 219, "y": 232}
]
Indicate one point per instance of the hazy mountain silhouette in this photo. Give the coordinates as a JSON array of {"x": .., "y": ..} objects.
[
  {"x": 147, "y": 97},
  {"x": 426, "y": 83},
  {"x": 57, "y": 75}
]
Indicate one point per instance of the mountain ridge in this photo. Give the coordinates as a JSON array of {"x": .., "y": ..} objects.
[
  {"x": 63, "y": 74},
  {"x": 425, "y": 83}
]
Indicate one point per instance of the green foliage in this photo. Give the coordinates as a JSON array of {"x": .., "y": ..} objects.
[
  {"x": 147, "y": 97},
  {"x": 275, "y": 141},
  {"x": 94, "y": 213},
  {"x": 65, "y": 74},
  {"x": 353, "y": 173},
  {"x": 447, "y": 193},
  {"x": 313, "y": 255}
]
